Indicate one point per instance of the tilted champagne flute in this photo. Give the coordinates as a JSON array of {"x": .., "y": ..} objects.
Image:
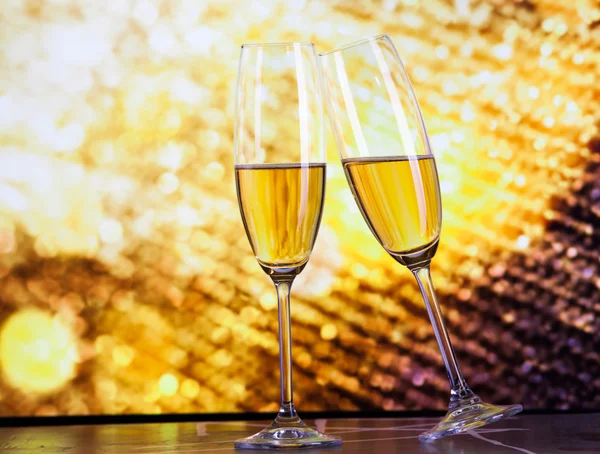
[
  {"x": 280, "y": 179},
  {"x": 391, "y": 171}
]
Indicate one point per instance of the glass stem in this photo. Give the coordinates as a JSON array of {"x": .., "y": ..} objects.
[
  {"x": 459, "y": 390},
  {"x": 287, "y": 409}
]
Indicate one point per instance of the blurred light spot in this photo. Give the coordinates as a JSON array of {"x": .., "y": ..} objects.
[
  {"x": 481, "y": 78},
  {"x": 211, "y": 139},
  {"x": 476, "y": 272},
  {"x": 466, "y": 113},
  {"x": 7, "y": 240},
  {"x": 548, "y": 25},
  {"x": 71, "y": 43},
  {"x": 200, "y": 39},
  {"x": 187, "y": 216},
  {"x": 546, "y": 49},
  {"x": 111, "y": 231},
  {"x": 514, "y": 117},
  {"x": 68, "y": 138},
  {"x": 359, "y": 270},
  {"x": 328, "y": 332},
  {"x": 440, "y": 142},
  {"x": 447, "y": 187},
  {"x": 444, "y": 107},
  {"x": 418, "y": 379},
  {"x": 304, "y": 359},
  {"x": 177, "y": 357},
  {"x": 501, "y": 99},
  {"x": 123, "y": 355},
  {"x": 511, "y": 33},
  {"x": 190, "y": 388},
  {"x": 162, "y": 40},
  {"x": 466, "y": 50},
  {"x": 533, "y": 92},
  {"x": 578, "y": 58},
  {"x": 168, "y": 384},
  {"x": 185, "y": 90},
  {"x": 508, "y": 317},
  {"x": 12, "y": 198},
  {"x": 571, "y": 107},
  {"x": 37, "y": 352},
  {"x": 449, "y": 87},
  {"x": 464, "y": 294},
  {"x": 522, "y": 242},
  {"x": 104, "y": 343},
  {"x": 548, "y": 121},
  {"x": 268, "y": 301},
  {"x": 108, "y": 388},
  {"x": 168, "y": 183},
  {"x": 145, "y": 13},
  {"x": 458, "y": 136},
  {"x": 215, "y": 171},
  {"x": 413, "y": 21},
  {"x": 363, "y": 93},
  {"x": 171, "y": 157},
  {"x": 397, "y": 336},
  {"x": 520, "y": 180},
  {"x": 557, "y": 100},
  {"x": 540, "y": 143},
  {"x": 462, "y": 8},
  {"x": 442, "y": 52},
  {"x": 503, "y": 51},
  {"x": 493, "y": 153},
  {"x": 497, "y": 270},
  {"x": 421, "y": 73},
  {"x": 222, "y": 358},
  {"x": 220, "y": 335}
]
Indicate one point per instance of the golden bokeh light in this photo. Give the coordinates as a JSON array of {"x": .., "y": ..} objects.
[
  {"x": 168, "y": 385},
  {"x": 37, "y": 351},
  {"x": 190, "y": 388}
]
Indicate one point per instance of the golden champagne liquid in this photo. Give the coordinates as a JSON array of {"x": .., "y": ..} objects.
[
  {"x": 399, "y": 198},
  {"x": 281, "y": 206}
]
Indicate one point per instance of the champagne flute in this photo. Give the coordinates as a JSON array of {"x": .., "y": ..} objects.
[
  {"x": 280, "y": 180},
  {"x": 391, "y": 171}
]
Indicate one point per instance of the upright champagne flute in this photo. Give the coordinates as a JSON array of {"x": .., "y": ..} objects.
[
  {"x": 392, "y": 173},
  {"x": 280, "y": 179}
]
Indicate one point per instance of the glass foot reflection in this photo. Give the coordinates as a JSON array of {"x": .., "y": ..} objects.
[
  {"x": 469, "y": 416},
  {"x": 288, "y": 433}
]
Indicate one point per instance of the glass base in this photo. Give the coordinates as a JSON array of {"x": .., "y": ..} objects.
[
  {"x": 469, "y": 416},
  {"x": 288, "y": 433}
]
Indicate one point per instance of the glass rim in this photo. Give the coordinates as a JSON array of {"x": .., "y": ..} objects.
[
  {"x": 291, "y": 43},
  {"x": 360, "y": 42}
]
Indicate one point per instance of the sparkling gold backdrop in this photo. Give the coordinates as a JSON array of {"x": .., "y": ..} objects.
[{"x": 127, "y": 284}]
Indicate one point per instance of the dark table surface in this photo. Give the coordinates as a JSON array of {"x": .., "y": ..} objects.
[{"x": 562, "y": 433}]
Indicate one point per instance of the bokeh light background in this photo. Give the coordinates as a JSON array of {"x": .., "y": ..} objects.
[{"x": 127, "y": 284}]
